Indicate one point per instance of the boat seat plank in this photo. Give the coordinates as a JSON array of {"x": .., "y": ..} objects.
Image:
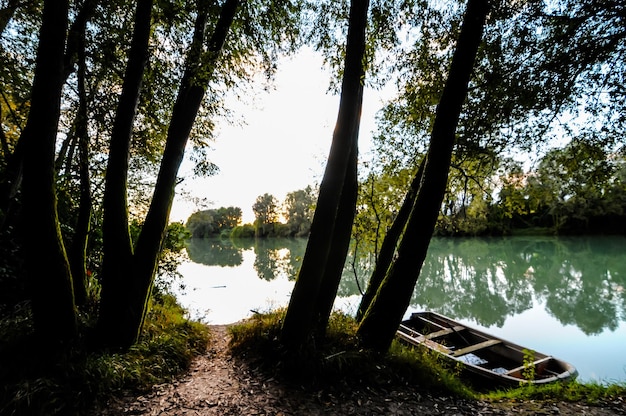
[
  {"x": 409, "y": 330},
  {"x": 430, "y": 322},
  {"x": 534, "y": 364},
  {"x": 421, "y": 340},
  {"x": 475, "y": 347},
  {"x": 432, "y": 335},
  {"x": 444, "y": 332}
]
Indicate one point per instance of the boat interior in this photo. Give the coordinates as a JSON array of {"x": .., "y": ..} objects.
[{"x": 477, "y": 348}]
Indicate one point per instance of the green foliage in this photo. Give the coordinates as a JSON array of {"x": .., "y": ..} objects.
[
  {"x": 298, "y": 208},
  {"x": 170, "y": 257},
  {"x": 577, "y": 189},
  {"x": 544, "y": 72},
  {"x": 528, "y": 373},
  {"x": 36, "y": 378},
  {"x": 379, "y": 200},
  {"x": 590, "y": 393},
  {"x": 265, "y": 209},
  {"x": 212, "y": 222},
  {"x": 243, "y": 231},
  {"x": 175, "y": 237},
  {"x": 326, "y": 31}
]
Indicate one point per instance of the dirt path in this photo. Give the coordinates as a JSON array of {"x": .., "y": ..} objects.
[{"x": 218, "y": 384}]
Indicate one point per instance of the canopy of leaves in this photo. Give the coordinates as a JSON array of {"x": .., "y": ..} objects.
[
  {"x": 212, "y": 222},
  {"x": 299, "y": 207},
  {"x": 265, "y": 209},
  {"x": 546, "y": 70}
]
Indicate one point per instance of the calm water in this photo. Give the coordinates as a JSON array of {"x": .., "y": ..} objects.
[{"x": 561, "y": 296}]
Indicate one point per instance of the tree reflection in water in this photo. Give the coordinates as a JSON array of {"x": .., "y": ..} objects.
[
  {"x": 563, "y": 296},
  {"x": 273, "y": 256},
  {"x": 214, "y": 252},
  {"x": 580, "y": 280}
]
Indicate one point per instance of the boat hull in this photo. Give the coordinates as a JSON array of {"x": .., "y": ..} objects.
[{"x": 494, "y": 359}]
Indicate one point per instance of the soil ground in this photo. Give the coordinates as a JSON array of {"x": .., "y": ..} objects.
[{"x": 220, "y": 384}]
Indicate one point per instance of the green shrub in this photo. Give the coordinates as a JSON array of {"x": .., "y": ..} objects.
[
  {"x": 243, "y": 231},
  {"x": 590, "y": 393},
  {"x": 38, "y": 380}
]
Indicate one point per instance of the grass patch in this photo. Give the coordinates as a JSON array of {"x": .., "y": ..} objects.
[
  {"x": 588, "y": 393},
  {"x": 37, "y": 381},
  {"x": 339, "y": 360}
]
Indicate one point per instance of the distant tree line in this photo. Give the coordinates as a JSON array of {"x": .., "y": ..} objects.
[
  {"x": 577, "y": 189},
  {"x": 211, "y": 222},
  {"x": 292, "y": 218},
  {"x": 580, "y": 189}
]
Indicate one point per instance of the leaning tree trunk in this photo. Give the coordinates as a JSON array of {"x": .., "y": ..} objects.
[
  {"x": 390, "y": 242},
  {"x": 117, "y": 243},
  {"x": 10, "y": 184},
  {"x": 381, "y": 320},
  {"x": 300, "y": 319},
  {"x": 44, "y": 254},
  {"x": 12, "y": 180},
  {"x": 12, "y": 175},
  {"x": 339, "y": 247},
  {"x": 199, "y": 70},
  {"x": 76, "y": 37},
  {"x": 78, "y": 249}
]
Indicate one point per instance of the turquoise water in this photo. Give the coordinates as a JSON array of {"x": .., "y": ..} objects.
[{"x": 560, "y": 296}]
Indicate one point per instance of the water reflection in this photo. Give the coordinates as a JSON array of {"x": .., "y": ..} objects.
[
  {"x": 581, "y": 281},
  {"x": 563, "y": 296},
  {"x": 214, "y": 252},
  {"x": 281, "y": 257},
  {"x": 273, "y": 257}
]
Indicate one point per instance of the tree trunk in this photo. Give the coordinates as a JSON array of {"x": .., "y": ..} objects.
[
  {"x": 381, "y": 320},
  {"x": 44, "y": 254},
  {"x": 76, "y": 37},
  {"x": 78, "y": 249},
  {"x": 198, "y": 72},
  {"x": 11, "y": 183},
  {"x": 6, "y": 151},
  {"x": 390, "y": 242},
  {"x": 339, "y": 246},
  {"x": 301, "y": 314},
  {"x": 117, "y": 243}
]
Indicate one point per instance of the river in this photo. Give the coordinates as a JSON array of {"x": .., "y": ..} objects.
[{"x": 561, "y": 296}]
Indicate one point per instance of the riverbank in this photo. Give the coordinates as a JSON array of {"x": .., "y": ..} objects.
[{"x": 221, "y": 383}]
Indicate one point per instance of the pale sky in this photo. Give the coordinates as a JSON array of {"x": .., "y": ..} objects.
[{"x": 283, "y": 146}]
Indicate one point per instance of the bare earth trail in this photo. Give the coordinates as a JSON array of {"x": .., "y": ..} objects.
[{"x": 219, "y": 384}]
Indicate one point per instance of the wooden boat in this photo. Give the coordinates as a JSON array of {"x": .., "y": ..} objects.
[{"x": 494, "y": 359}]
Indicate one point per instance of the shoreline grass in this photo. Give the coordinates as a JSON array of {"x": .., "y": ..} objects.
[
  {"x": 39, "y": 382},
  {"x": 76, "y": 380},
  {"x": 340, "y": 358}
]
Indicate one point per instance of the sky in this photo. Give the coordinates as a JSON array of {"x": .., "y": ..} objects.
[{"x": 282, "y": 147}]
